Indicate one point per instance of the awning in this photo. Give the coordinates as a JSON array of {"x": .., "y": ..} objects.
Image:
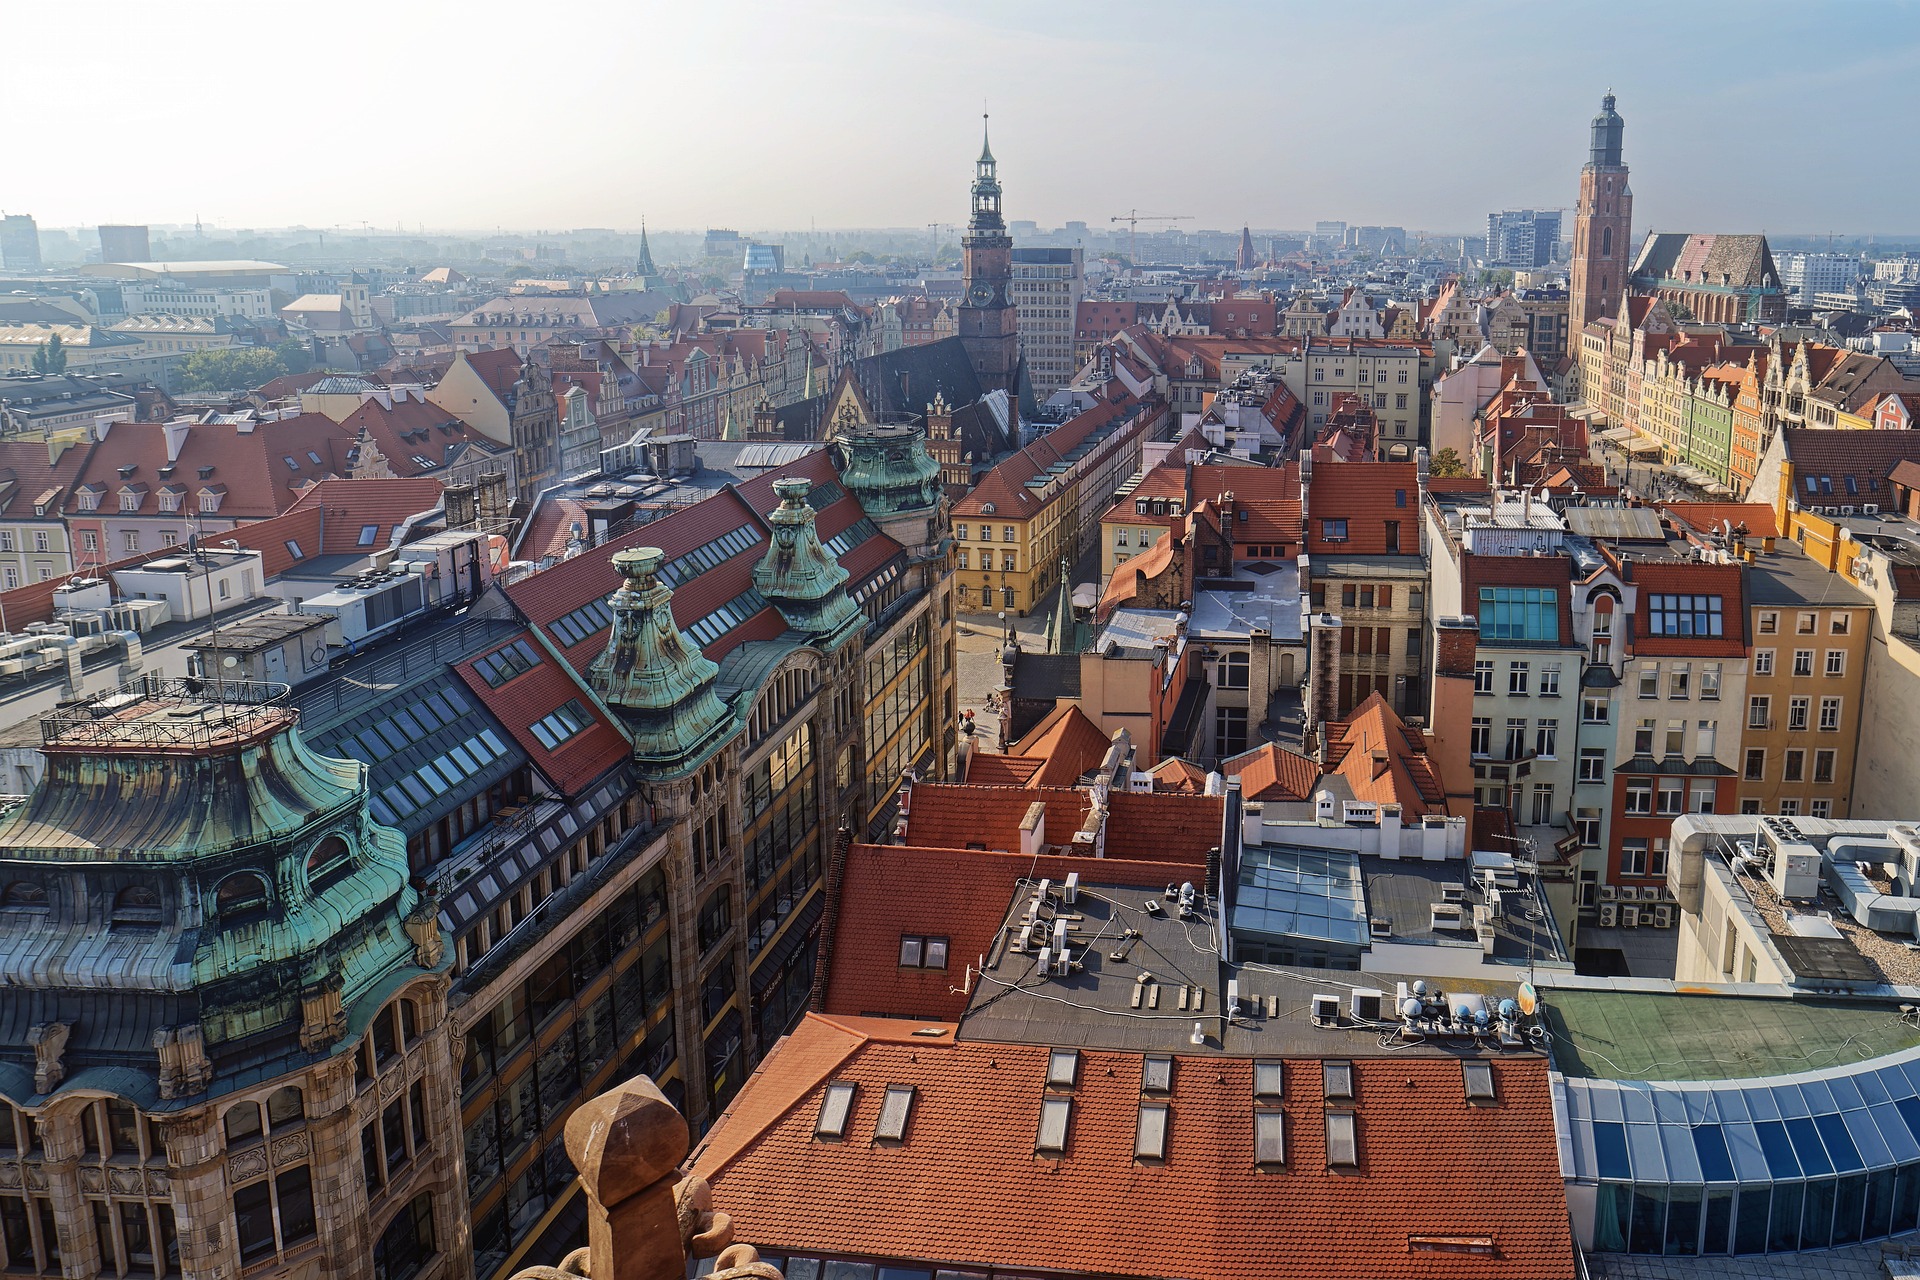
[
  {"x": 1617, "y": 434},
  {"x": 1640, "y": 446},
  {"x": 767, "y": 966}
]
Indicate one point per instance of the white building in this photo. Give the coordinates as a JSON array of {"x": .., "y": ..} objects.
[
  {"x": 1048, "y": 285},
  {"x": 1807, "y": 274}
]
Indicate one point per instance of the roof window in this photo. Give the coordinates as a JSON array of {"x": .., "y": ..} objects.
[
  {"x": 1269, "y": 1138},
  {"x": 1063, "y": 1065},
  {"x": 1336, "y": 1079},
  {"x": 894, "y": 1109},
  {"x": 1269, "y": 1077},
  {"x": 1054, "y": 1114},
  {"x": 1150, "y": 1132},
  {"x": 1342, "y": 1146},
  {"x": 1478, "y": 1079},
  {"x": 368, "y": 532},
  {"x": 1156, "y": 1074},
  {"x": 835, "y": 1109}
]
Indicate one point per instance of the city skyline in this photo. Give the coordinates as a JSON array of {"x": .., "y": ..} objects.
[{"x": 772, "y": 124}]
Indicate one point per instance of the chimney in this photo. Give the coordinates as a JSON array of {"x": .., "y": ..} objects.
[
  {"x": 1323, "y": 675},
  {"x": 1033, "y": 830},
  {"x": 175, "y": 432},
  {"x": 459, "y": 502}
]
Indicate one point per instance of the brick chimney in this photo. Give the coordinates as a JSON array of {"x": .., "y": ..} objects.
[{"x": 1455, "y": 642}]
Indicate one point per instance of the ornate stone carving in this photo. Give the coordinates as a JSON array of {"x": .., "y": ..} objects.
[
  {"x": 49, "y": 1043},
  {"x": 250, "y": 1163},
  {"x": 157, "y": 1183},
  {"x": 390, "y": 1085},
  {"x": 184, "y": 1068},
  {"x": 36, "y": 1178},
  {"x": 289, "y": 1149},
  {"x": 9, "y": 1174},
  {"x": 322, "y": 1019},
  {"x": 93, "y": 1178},
  {"x": 423, "y": 927},
  {"x": 125, "y": 1182}
]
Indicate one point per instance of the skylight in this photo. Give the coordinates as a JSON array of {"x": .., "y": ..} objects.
[
  {"x": 1269, "y": 1137},
  {"x": 894, "y": 1108},
  {"x": 1269, "y": 1078},
  {"x": 1478, "y": 1077},
  {"x": 1150, "y": 1133},
  {"x": 1342, "y": 1146},
  {"x": 1336, "y": 1079},
  {"x": 562, "y": 725},
  {"x": 368, "y": 532},
  {"x": 1062, "y": 1066},
  {"x": 504, "y": 664},
  {"x": 1054, "y": 1114},
  {"x": 1156, "y": 1074},
  {"x": 835, "y": 1109}
]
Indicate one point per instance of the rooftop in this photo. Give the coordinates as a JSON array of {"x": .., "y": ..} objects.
[
  {"x": 162, "y": 715},
  {"x": 1261, "y": 595}
]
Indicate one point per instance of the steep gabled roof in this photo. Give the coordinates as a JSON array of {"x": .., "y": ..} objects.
[
  {"x": 1383, "y": 760},
  {"x": 1271, "y": 772},
  {"x": 362, "y": 515}
]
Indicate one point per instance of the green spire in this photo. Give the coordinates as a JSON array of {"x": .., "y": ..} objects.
[
  {"x": 797, "y": 576},
  {"x": 645, "y": 266},
  {"x": 1060, "y": 627},
  {"x": 659, "y": 683}
]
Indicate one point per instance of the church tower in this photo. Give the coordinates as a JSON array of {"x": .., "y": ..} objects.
[
  {"x": 989, "y": 325},
  {"x": 1602, "y": 227}
]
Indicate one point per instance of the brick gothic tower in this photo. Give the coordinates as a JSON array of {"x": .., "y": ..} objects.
[
  {"x": 989, "y": 325},
  {"x": 1602, "y": 226}
]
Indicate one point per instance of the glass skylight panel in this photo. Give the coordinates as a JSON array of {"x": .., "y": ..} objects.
[
  {"x": 1156, "y": 1074},
  {"x": 1054, "y": 1114},
  {"x": 1150, "y": 1132},
  {"x": 1269, "y": 1137},
  {"x": 1807, "y": 1145},
  {"x": 834, "y": 1111},
  {"x": 1710, "y": 1147},
  {"x": 1782, "y": 1164},
  {"x": 1336, "y": 1079},
  {"x": 499, "y": 667},
  {"x": 825, "y": 495},
  {"x": 568, "y": 721},
  {"x": 1269, "y": 1078},
  {"x": 1610, "y": 1150},
  {"x": 704, "y": 557},
  {"x": 1062, "y": 1066},
  {"x": 1839, "y": 1143},
  {"x": 1478, "y": 1079},
  {"x": 1342, "y": 1145},
  {"x": 894, "y": 1108},
  {"x": 850, "y": 537}
]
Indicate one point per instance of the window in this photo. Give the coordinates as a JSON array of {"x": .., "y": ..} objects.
[
  {"x": 1797, "y": 713},
  {"x": 1269, "y": 1138},
  {"x": 1823, "y": 761},
  {"x": 1593, "y": 764},
  {"x": 1063, "y": 1067},
  {"x": 895, "y": 1106},
  {"x": 241, "y": 897},
  {"x": 503, "y": 665},
  {"x": 1769, "y": 623},
  {"x": 1806, "y": 624},
  {"x": 960, "y": 534},
  {"x": 1633, "y": 856},
  {"x": 835, "y": 1108},
  {"x": 1643, "y": 738},
  {"x": 1839, "y": 623},
  {"x": 1481, "y": 741},
  {"x": 1789, "y": 808},
  {"x": 408, "y": 1242},
  {"x": 1704, "y": 733},
  {"x": 1760, "y": 712},
  {"x": 1649, "y": 681},
  {"x": 130, "y": 540},
  {"x": 1683, "y": 615},
  {"x": 1150, "y": 1132},
  {"x": 1710, "y": 682},
  {"x": 1586, "y": 823},
  {"x": 1542, "y": 803},
  {"x": 563, "y": 725},
  {"x": 1550, "y": 680},
  {"x": 1546, "y": 738},
  {"x": 1342, "y": 1146},
  {"x": 1836, "y": 662},
  {"x": 1829, "y": 714},
  {"x": 922, "y": 953},
  {"x": 1640, "y": 797},
  {"x": 1055, "y": 1112},
  {"x": 1234, "y": 670},
  {"x": 1763, "y": 662},
  {"x": 1477, "y": 1078},
  {"x": 1676, "y": 741},
  {"x": 1483, "y": 676},
  {"x": 1006, "y": 562},
  {"x": 1672, "y": 797},
  {"x": 1333, "y": 530},
  {"x": 1229, "y": 730},
  {"x": 1680, "y": 680},
  {"x": 1269, "y": 1078},
  {"x": 1822, "y": 808},
  {"x": 1006, "y": 533},
  {"x": 1156, "y": 1073},
  {"x": 1518, "y": 674},
  {"x": 1803, "y": 662},
  {"x": 1336, "y": 1078},
  {"x": 1593, "y": 709},
  {"x": 1756, "y": 768},
  {"x": 1520, "y": 613},
  {"x": 963, "y": 559}
]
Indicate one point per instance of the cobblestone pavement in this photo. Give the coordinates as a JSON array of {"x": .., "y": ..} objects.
[{"x": 977, "y": 646}]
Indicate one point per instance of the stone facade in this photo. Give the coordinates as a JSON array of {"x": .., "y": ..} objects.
[{"x": 1602, "y": 225}]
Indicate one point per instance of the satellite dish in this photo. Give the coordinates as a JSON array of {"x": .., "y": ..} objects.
[
  {"x": 229, "y": 661},
  {"x": 1529, "y": 999}
]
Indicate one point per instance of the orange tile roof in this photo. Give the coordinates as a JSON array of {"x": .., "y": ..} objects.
[
  {"x": 1405, "y": 775},
  {"x": 1705, "y": 517},
  {"x": 1067, "y": 744},
  {"x": 350, "y": 506},
  {"x": 952, "y": 815},
  {"x": 1180, "y": 776},
  {"x": 989, "y": 769},
  {"x": 965, "y": 1189},
  {"x": 1271, "y": 772},
  {"x": 1124, "y": 585},
  {"x": 1163, "y": 825}
]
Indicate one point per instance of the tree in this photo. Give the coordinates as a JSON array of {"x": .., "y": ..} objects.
[
  {"x": 233, "y": 369},
  {"x": 295, "y": 355},
  {"x": 51, "y": 358},
  {"x": 1446, "y": 463}
]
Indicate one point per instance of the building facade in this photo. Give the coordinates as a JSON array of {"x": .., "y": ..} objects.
[
  {"x": 1602, "y": 224},
  {"x": 989, "y": 319},
  {"x": 1048, "y": 285}
]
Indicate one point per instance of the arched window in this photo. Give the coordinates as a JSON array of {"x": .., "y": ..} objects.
[
  {"x": 285, "y": 1107},
  {"x": 24, "y": 894},
  {"x": 242, "y": 1123},
  {"x": 407, "y": 1243},
  {"x": 136, "y": 906},
  {"x": 330, "y": 860},
  {"x": 1606, "y": 242},
  {"x": 241, "y": 897}
]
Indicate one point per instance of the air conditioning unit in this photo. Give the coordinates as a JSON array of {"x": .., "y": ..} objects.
[
  {"x": 1846, "y": 511},
  {"x": 1663, "y": 916},
  {"x": 1629, "y": 893},
  {"x": 1608, "y": 893},
  {"x": 1630, "y": 917},
  {"x": 1870, "y": 508},
  {"x": 1325, "y": 1010},
  {"x": 1609, "y": 915},
  {"x": 1364, "y": 1005}
]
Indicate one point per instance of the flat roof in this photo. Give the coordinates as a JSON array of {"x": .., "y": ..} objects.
[
  {"x": 1789, "y": 576},
  {"x": 1674, "y": 1035},
  {"x": 1266, "y": 594},
  {"x": 250, "y": 635}
]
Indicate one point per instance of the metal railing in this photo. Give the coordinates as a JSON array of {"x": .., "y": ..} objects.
[
  {"x": 386, "y": 669},
  {"x": 234, "y": 708}
]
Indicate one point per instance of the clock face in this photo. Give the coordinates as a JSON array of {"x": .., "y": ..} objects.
[{"x": 981, "y": 294}]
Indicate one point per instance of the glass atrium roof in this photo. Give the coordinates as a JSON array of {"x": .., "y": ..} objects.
[{"x": 1301, "y": 893}]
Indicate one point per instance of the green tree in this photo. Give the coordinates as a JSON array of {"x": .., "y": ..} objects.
[
  {"x": 51, "y": 358},
  {"x": 294, "y": 355},
  {"x": 234, "y": 369},
  {"x": 1446, "y": 463}
]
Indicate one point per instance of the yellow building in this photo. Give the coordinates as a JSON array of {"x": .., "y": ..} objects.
[
  {"x": 1038, "y": 507},
  {"x": 168, "y": 334}
]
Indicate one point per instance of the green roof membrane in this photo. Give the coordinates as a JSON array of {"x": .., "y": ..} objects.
[{"x": 1614, "y": 1035}]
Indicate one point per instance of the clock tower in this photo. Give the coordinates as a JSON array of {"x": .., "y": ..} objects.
[{"x": 989, "y": 325}]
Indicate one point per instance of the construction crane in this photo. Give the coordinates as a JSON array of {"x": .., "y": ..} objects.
[
  {"x": 1133, "y": 218},
  {"x": 937, "y": 228}
]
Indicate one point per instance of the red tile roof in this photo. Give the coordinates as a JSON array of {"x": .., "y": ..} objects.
[
  {"x": 1005, "y": 486},
  {"x": 989, "y": 769},
  {"x": 965, "y": 1188},
  {"x": 1384, "y": 761},
  {"x": 1180, "y": 776},
  {"x": 29, "y": 479},
  {"x": 524, "y": 700},
  {"x": 952, "y": 815},
  {"x": 1690, "y": 577},
  {"x": 1366, "y": 495},
  {"x": 498, "y": 367},
  {"x": 1706, "y": 517},
  {"x": 415, "y": 428},
  {"x": 352, "y": 505},
  {"x": 1164, "y": 825},
  {"x": 1066, "y": 743},
  {"x": 1271, "y": 772},
  {"x": 264, "y": 467}
]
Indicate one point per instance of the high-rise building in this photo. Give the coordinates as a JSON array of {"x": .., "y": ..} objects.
[
  {"x": 1524, "y": 238},
  {"x": 1807, "y": 274},
  {"x": 989, "y": 321},
  {"x": 124, "y": 244},
  {"x": 1602, "y": 225},
  {"x": 19, "y": 242},
  {"x": 1047, "y": 287}
]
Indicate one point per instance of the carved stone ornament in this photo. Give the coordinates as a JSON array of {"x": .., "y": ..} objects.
[
  {"x": 243, "y": 1165},
  {"x": 423, "y": 927},
  {"x": 93, "y": 1178},
  {"x": 157, "y": 1184},
  {"x": 289, "y": 1149},
  {"x": 36, "y": 1178},
  {"x": 124, "y": 1182},
  {"x": 49, "y": 1043},
  {"x": 9, "y": 1174},
  {"x": 184, "y": 1067},
  {"x": 322, "y": 1018}
]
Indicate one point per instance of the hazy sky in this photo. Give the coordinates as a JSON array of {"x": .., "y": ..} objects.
[{"x": 1745, "y": 116}]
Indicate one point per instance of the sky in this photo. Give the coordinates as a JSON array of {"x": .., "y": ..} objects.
[{"x": 1749, "y": 115}]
